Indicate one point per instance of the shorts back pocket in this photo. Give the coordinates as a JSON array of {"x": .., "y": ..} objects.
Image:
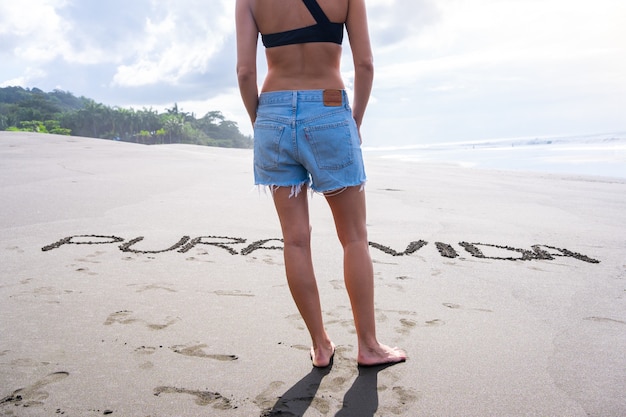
[
  {"x": 331, "y": 144},
  {"x": 267, "y": 145}
]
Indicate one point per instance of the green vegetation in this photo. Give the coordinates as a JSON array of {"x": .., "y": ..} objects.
[{"x": 60, "y": 112}]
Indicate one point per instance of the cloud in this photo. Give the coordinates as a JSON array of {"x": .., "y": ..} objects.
[
  {"x": 173, "y": 47},
  {"x": 31, "y": 30},
  {"x": 502, "y": 57},
  {"x": 444, "y": 68},
  {"x": 150, "y": 42},
  {"x": 29, "y": 76},
  {"x": 103, "y": 32},
  {"x": 392, "y": 21},
  {"x": 150, "y": 52}
]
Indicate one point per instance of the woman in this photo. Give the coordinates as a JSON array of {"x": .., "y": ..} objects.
[{"x": 306, "y": 135}]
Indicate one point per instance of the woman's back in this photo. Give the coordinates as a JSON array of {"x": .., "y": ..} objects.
[
  {"x": 303, "y": 40},
  {"x": 292, "y": 65}
]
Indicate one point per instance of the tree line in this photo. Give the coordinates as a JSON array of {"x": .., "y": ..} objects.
[{"x": 60, "y": 112}]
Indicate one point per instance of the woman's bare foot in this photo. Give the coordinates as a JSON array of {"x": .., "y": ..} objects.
[
  {"x": 322, "y": 357},
  {"x": 380, "y": 355}
]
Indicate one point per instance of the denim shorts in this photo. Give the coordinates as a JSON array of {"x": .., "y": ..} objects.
[{"x": 301, "y": 139}]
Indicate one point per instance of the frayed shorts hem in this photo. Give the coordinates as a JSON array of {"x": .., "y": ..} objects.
[{"x": 296, "y": 189}]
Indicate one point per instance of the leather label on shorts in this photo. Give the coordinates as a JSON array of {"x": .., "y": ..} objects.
[{"x": 333, "y": 98}]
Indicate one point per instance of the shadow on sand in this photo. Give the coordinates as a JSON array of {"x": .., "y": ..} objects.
[{"x": 361, "y": 400}]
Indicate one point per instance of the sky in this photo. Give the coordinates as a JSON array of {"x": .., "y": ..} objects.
[{"x": 445, "y": 70}]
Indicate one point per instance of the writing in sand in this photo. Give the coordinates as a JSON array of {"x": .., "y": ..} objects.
[{"x": 245, "y": 247}]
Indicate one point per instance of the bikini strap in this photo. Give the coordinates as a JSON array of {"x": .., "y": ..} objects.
[{"x": 316, "y": 11}]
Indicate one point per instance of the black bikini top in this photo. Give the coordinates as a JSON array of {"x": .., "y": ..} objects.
[{"x": 322, "y": 31}]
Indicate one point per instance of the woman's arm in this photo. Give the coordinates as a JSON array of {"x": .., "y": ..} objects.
[
  {"x": 356, "y": 25},
  {"x": 247, "y": 38}
]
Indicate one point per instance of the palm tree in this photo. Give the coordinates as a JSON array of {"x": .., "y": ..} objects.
[{"x": 173, "y": 123}]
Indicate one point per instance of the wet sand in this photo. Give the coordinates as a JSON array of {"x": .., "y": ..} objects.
[{"x": 148, "y": 281}]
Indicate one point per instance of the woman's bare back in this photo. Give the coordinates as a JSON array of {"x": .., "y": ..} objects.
[{"x": 304, "y": 66}]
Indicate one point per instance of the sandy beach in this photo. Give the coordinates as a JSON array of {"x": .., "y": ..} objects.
[{"x": 148, "y": 281}]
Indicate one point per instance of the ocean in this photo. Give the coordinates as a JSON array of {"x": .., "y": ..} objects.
[{"x": 602, "y": 155}]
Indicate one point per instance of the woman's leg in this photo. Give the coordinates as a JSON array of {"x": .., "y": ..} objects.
[
  {"x": 293, "y": 212},
  {"x": 349, "y": 212}
]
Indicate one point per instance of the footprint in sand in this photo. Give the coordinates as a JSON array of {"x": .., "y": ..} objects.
[
  {"x": 83, "y": 270},
  {"x": 269, "y": 260},
  {"x": 49, "y": 295},
  {"x": 33, "y": 395},
  {"x": 125, "y": 317},
  {"x": 604, "y": 320},
  {"x": 338, "y": 285},
  {"x": 398, "y": 287},
  {"x": 403, "y": 397},
  {"x": 303, "y": 348},
  {"x": 15, "y": 248},
  {"x": 203, "y": 398},
  {"x": 376, "y": 261},
  {"x": 145, "y": 350},
  {"x": 233, "y": 293},
  {"x": 90, "y": 261},
  {"x": 406, "y": 320},
  {"x": 296, "y": 320},
  {"x": 148, "y": 287},
  {"x": 198, "y": 352},
  {"x": 155, "y": 326},
  {"x": 306, "y": 394},
  {"x": 406, "y": 325},
  {"x": 459, "y": 307},
  {"x": 121, "y": 317},
  {"x": 27, "y": 362},
  {"x": 47, "y": 291},
  {"x": 194, "y": 259},
  {"x": 266, "y": 259},
  {"x": 269, "y": 396}
]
